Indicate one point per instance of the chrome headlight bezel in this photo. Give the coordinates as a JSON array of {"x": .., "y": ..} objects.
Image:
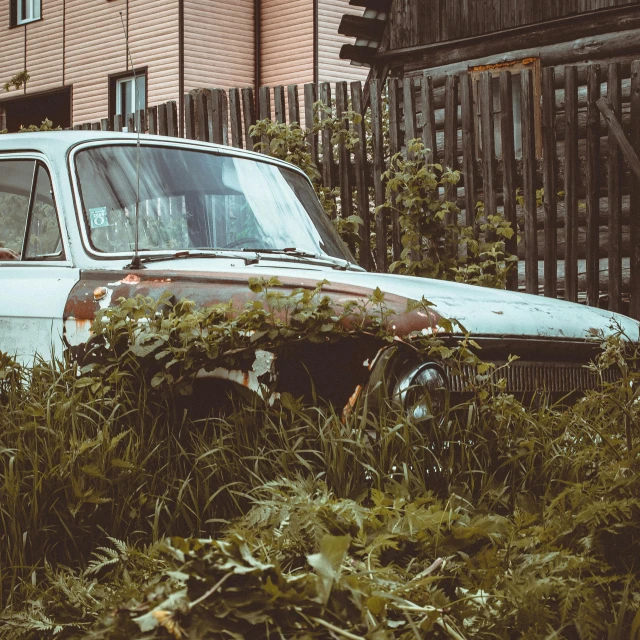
[{"x": 422, "y": 391}]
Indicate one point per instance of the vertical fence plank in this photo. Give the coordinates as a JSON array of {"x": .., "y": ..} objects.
[
  {"x": 294, "y": 104},
  {"x": 529, "y": 181},
  {"x": 117, "y": 122},
  {"x": 131, "y": 124},
  {"x": 218, "y": 123},
  {"x": 346, "y": 195},
  {"x": 429, "y": 119},
  {"x": 360, "y": 157},
  {"x": 162, "y": 119},
  {"x": 614, "y": 93},
  {"x": 409, "y": 101},
  {"x": 95, "y": 126},
  {"x": 264, "y": 113},
  {"x": 202, "y": 106},
  {"x": 593, "y": 186},
  {"x": 235, "y": 114},
  {"x": 550, "y": 164},
  {"x": 571, "y": 184},
  {"x": 279, "y": 104},
  {"x": 488, "y": 145},
  {"x": 509, "y": 170},
  {"x": 104, "y": 124},
  {"x": 152, "y": 119},
  {"x": 327, "y": 146},
  {"x": 468, "y": 151},
  {"x": 310, "y": 97},
  {"x": 451, "y": 135},
  {"x": 634, "y": 308},
  {"x": 394, "y": 148},
  {"x": 172, "y": 118},
  {"x": 249, "y": 116},
  {"x": 378, "y": 170},
  {"x": 189, "y": 117}
]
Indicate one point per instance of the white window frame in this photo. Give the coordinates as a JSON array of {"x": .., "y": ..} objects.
[
  {"x": 138, "y": 83},
  {"x": 28, "y": 11}
]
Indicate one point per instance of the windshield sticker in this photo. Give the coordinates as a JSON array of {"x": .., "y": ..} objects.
[{"x": 98, "y": 217}]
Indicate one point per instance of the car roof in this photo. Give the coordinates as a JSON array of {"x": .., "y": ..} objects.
[{"x": 60, "y": 142}]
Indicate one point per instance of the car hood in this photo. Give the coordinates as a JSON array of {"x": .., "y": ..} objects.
[{"x": 481, "y": 311}]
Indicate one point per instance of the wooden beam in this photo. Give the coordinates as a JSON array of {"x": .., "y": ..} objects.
[
  {"x": 615, "y": 128},
  {"x": 361, "y": 27},
  {"x": 377, "y": 5},
  {"x": 355, "y": 53}
]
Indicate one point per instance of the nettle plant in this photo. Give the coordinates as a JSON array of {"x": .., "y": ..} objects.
[{"x": 434, "y": 244}]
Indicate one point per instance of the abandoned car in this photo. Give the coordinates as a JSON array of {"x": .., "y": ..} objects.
[{"x": 209, "y": 219}]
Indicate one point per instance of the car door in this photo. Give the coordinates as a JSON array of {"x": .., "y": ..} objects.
[{"x": 36, "y": 274}]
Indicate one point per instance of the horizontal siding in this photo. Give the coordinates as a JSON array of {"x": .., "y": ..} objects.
[
  {"x": 286, "y": 42},
  {"x": 219, "y": 49},
  {"x": 44, "y": 48},
  {"x": 330, "y": 67},
  {"x": 95, "y": 48},
  {"x": 11, "y": 48}
]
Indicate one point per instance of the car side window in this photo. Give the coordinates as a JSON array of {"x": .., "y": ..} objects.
[
  {"x": 16, "y": 181},
  {"x": 29, "y": 228},
  {"x": 44, "y": 241}
]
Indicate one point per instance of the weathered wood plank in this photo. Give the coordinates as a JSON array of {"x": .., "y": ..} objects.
[
  {"x": 249, "y": 117},
  {"x": 346, "y": 193},
  {"x": 451, "y": 154},
  {"x": 328, "y": 171},
  {"x": 509, "y": 172},
  {"x": 529, "y": 179},
  {"x": 550, "y": 166},
  {"x": 469, "y": 151},
  {"x": 634, "y": 227},
  {"x": 593, "y": 185},
  {"x": 216, "y": 116},
  {"x": 395, "y": 134},
  {"x": 361, "y": 173},
  {"x": 378, "y": 170},
  {"x": 409, "y": 102},
  {"x": 279, "y": 104},
  {"x": 429, "y": 119},
  {"x": 310, "y": 97},
  {"x": 488, "y": 144},
  {"x": 189, "y": 116},
  {"x": 162, "y": 120},
  {"x": 294, "y": 104},
  {"x": 203, "y": 98},
  {"x": 614, "y": 186},
  {"x": 104, "y": 125},
  {"x": 571, "y": 182},
  {"x": 235, "y": 113},
  {"x": 172, "y": 118}
]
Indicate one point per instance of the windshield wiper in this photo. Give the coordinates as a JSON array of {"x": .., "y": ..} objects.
[
  {"x": 182, "y": 255},
  {"x": 336, "y": 263}
]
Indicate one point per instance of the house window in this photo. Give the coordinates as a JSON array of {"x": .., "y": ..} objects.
[
  {"x": 128, "y": 96},
  {"x": 28, "y": 11},
  {"x": 514, "y": 68}
]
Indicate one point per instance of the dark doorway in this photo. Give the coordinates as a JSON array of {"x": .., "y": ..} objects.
[{"x": 34, "y": 108}]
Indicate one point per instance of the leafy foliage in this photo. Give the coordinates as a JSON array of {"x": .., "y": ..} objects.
[
  {"x": 288, "y": 520},
  {"x": 17, "y": 81}
]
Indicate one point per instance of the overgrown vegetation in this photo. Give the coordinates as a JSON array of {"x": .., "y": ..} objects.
[
  {"x": 122, "y": 518},
  {"x": 433, "y": 243}
]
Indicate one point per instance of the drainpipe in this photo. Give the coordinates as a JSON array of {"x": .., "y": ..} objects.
[{"x": 181, "y": 67}]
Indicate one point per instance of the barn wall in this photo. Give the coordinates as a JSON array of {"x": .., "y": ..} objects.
[{"x": 420, "y": 22}]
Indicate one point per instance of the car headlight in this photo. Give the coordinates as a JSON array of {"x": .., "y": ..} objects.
[{"x": 422, "y": 391}]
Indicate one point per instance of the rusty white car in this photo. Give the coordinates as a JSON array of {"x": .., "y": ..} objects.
[{"x": 210, "y": 218}]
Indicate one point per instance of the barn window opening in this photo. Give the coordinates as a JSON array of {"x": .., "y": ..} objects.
[
  {"x": 514, "y": 68},
  {"x": 128, "y": 96}
]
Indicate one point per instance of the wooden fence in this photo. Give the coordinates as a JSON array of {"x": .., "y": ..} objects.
[{"x": 553, "y": 150}]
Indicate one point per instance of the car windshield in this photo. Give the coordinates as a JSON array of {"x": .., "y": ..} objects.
[{"x": 199, "y": 200}]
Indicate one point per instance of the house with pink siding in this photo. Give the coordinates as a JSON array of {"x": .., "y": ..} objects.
[{"x": 75, "y": 52}]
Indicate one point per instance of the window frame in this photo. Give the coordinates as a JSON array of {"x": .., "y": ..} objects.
[
  {"x": 115, "y": 78},
  {"x": 35, "y": 9},
  {"x": 514, "y": 67},
  {"x": 39, "y": 161}
]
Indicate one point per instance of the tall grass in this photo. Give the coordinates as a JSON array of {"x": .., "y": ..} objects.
[{"x": 86, "y": 460}]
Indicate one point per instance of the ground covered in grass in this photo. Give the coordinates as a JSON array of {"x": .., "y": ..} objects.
[{"x": 120, "y": 517}]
